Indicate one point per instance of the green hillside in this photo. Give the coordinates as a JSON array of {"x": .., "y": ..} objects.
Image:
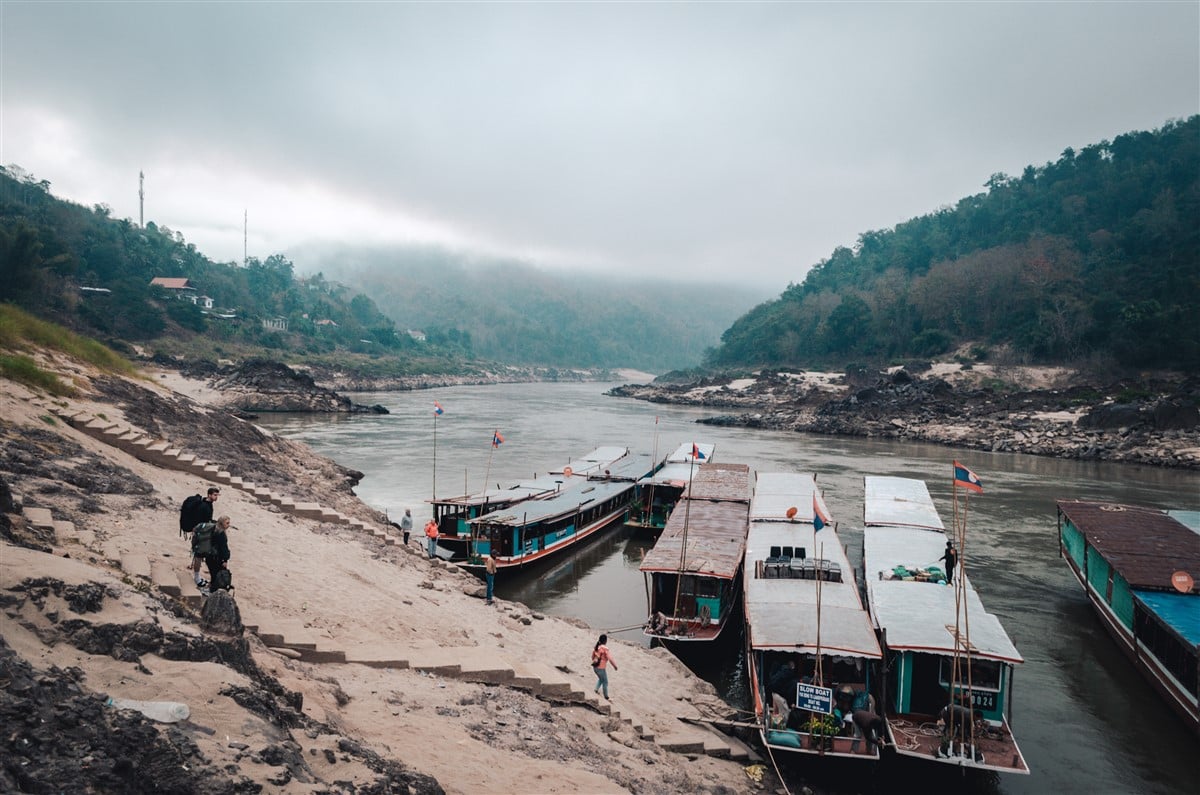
[
  {"x": 85, "y": 270},
  {"x": 1094, "y": 257}
]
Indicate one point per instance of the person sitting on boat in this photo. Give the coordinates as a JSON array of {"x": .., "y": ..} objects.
[
  {"x": 658, "y": 623},
  {"x": 783, "y": 681}
]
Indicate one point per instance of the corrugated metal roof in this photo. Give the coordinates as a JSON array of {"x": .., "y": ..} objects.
[
  {"x": 920, "y": 616},
  {"x": 565, "y": 502},
  {"x": 671, "y": 472},
  {"x": 1145, "y": 545},
  {"x": 683, "y": 453},
  {"x": 631, "y": 467},
  {"x": 782, "y": 613},
  {"x": 899, "y": 501},
  {"x": 593, "y": 461},
  {"x": 777, "y": 492},
  {"x": 716, "y": 539},
  {"x": 720, "y": 482}
]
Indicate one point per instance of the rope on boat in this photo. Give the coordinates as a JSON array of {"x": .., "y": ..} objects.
[{"x": 625, "y": 629}]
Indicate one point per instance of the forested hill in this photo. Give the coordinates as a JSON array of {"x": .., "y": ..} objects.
[
  {"x": 82, "y": 268},
  {"x": 1095, "y": 256},
  {"x": 512, "y": 312}
]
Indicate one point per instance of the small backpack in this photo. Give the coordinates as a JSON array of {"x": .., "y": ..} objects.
[
  {"x": 189, "y": 514},
  {"x": 222, "y": 580},
  {"x": 202, "y": 541},
  {"x": 596, "y": 656}
]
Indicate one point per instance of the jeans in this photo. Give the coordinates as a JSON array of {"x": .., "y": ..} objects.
[
  {"x": 491, "y": 584},
  {"x": 601, "y": 679},
  {"x": 431, "y": 546}
]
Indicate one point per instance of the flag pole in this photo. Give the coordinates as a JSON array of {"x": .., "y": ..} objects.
[
  {"x": 435, "y": 416},
  {"x": 687, "y": 507},
  {"x": 488, "y": 472}
]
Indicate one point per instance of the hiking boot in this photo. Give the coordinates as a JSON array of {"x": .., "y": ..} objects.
[{"x": 202, "y": 583}]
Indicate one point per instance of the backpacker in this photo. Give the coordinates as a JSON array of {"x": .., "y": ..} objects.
[
  {"x": 202, "y": 538},
  {"x": 189, "y": 514}
]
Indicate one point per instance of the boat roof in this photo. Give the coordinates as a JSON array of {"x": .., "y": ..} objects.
[
  {"x": 720, "y": 482},
  {"x": 716, "y": 539},
  {"x": 1190, "y": 519},
  {"x": 631, "y": 467},
  {"x": 775, "y": 493},
  {"x": 565, "y": 502},
  {"x": 672, "y": 473},
  {"x": 903, "y": 502},
  {"x": 594, "y": 461},
  {"x": 526, "y": 489},
  {"x": 1179, "y": 611},
  {"x": 1145, "y": 545},
  {"x": 782, "y": 613},
  {"x": 541, "y": 485},
  {"x": 920, "y": 616},
  {"x": 683, "y": 453}
]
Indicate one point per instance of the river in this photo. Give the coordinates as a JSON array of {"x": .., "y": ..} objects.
[{"x": 1084, "y": 718}]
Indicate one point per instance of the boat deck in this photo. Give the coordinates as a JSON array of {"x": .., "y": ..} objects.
[{"x": 914, "y": 734}]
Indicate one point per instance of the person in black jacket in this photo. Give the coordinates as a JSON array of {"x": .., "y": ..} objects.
[
  {"x": 202, "y": 513},
  {"x": 951, "y": 558}
]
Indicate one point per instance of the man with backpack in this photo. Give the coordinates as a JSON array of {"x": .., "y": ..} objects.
[
  {"x": 197, "y": 510},
  {"x": 210, "y": 541}
]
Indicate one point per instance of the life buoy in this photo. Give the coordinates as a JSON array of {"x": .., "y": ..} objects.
[{"x": 705, "y": 615}]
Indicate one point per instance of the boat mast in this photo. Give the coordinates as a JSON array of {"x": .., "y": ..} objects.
[
  {"x": 687, "y": 509},
  {"x": 962, "y": 643}
]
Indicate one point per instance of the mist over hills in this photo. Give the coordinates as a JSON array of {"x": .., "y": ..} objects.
[{"x": 510, "y": 311}]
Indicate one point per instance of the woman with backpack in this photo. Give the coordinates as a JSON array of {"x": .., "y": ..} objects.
[
  {"x": 600, "y": 661},
  {"x": 211, "y": 542}
]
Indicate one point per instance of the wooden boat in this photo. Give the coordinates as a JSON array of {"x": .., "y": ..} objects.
[
  {"x": 453, "y": 514},
  {"x": 917, "y": 616},
  {"x": 802, "y": 608},
  {"x": 661, "y": 490},
  {"x": 1137, "y": 567},
  {"x": 694, "y": 570},
  {"x": 536, "y": 530}
]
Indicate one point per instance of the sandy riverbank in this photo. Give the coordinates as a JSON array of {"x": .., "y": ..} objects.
[{"x": 357, "y": 728}]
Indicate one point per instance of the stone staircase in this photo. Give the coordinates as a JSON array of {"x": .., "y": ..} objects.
[{"x": 293, "y": 640}]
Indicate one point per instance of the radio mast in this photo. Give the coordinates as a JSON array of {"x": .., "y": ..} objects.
[
  {"x": 142, "y": 199},
  {"x": 245, "y": 235}
]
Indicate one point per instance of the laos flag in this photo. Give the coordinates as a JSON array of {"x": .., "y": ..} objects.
[
  {"x": 820, "y": 513},
  {"x": 497, "y": 439},
  {"x": 967, "y": 479},
  {"x": 697, "y": 453},
  {"x": 437, "y": 408}
]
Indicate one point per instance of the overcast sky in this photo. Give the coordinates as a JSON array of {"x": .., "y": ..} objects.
[{"x": 713, "y": 141}]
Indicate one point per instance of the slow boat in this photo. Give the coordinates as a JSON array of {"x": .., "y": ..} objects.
[
  {"x": 661, "y": 490},
  {"x": 694, "y": 572},
  {"x": 453, "y": 514},
  {"x": 1137, "y": 567},
  {"x": 923, "y": 626},
  {"x": 811, "y": 652},
  {"x": 536, "y": 530}
]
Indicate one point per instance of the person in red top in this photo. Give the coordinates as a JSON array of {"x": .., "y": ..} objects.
[{"x": 601, "y": 658}]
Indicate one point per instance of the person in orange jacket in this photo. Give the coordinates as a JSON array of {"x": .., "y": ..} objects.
[{"x": 431, "y": 534}]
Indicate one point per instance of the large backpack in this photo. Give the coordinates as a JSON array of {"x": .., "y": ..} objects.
[
  {"x": 189, "y": 514},
  {"x": 202, "y": 539},
  {"x": 222, "y": 580}
]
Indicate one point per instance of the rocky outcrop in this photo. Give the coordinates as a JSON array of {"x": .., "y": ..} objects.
[
  {"x": 262, "y": 385},
  {"x": 1160, "y": 427}
]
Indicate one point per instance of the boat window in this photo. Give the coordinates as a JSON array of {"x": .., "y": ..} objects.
[{"x": 984, "y": 674}]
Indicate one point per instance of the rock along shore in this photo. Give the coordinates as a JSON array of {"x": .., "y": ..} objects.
[{"x": 1144, "y": 421}]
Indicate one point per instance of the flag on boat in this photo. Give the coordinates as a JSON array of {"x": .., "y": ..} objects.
[
  {"x": 437, "y": 408},
  {"x": 497, "y": 439},
  {"x": 820, "y": 512},
  {"x": 697, "y": 453},
  {"x": 967, "y": 479}
]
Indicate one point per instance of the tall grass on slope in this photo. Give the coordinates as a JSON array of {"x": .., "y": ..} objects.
[{"x": 20, "y": 331}]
